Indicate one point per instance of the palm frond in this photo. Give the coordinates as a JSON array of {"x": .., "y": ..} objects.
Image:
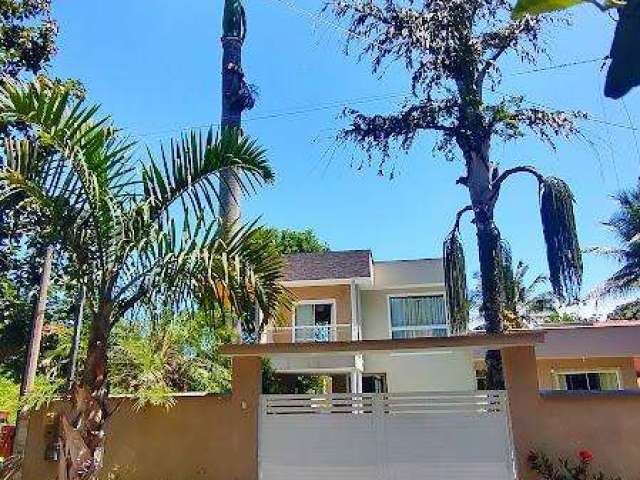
[
  {"x": 192, "y": 168},
  {"x": 563, "y": 249},
  {"x": 455, "y": 279}
]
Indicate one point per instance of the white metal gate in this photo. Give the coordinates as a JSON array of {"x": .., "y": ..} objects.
[{"x": 408, "y": 436}]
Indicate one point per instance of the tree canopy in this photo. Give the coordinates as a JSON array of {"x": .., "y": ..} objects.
[
  {"x": 27, "y": 36},
  {"x": 453, "y": 51},
  {"x": 117, "y": 226},
  {"x": 625, "y": 225},
  {"x": 287, "y": 241}
]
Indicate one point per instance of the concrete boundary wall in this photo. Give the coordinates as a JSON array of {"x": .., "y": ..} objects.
[
  {"x": 211, "y": 437},
  {"x": 608, "y": 424},
  {"x": 216, "y": 437}
]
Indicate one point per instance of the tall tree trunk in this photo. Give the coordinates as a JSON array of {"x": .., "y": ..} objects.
[
  {"x": 489, "y": 254},
  {"x": 232, "y": 107},
  {"x": 479, "y": 180},
  {"x": 82, "y": 432},
  {"x": 33, "y": 353},
  {"x": 77, "y": 331}
]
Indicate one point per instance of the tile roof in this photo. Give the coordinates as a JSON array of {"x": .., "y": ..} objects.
[{"x": 338, "y": 265}]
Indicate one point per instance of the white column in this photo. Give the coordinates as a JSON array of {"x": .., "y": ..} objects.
[
  {"x": 356, "y": 381},
  {"x": 355, "y": 312}
]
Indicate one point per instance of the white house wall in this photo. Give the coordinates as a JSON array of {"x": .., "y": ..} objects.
[
  {"x": 412, "y": 371},
  {"x": 431, "y": 371}
]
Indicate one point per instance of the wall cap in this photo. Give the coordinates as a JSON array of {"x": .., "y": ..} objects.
[{"x": 514, "y": 338}]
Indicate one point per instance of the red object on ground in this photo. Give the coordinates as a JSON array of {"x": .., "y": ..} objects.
[{"x": 7, "y": 434}]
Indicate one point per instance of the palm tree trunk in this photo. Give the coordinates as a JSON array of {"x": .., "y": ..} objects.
[
  {"x": 82, "y": 431},
  {"x": 77, "y": 331},
  {"x": 479, "y": 181},
  {"x": 489, "y": 253},
  {"x": 231, "y": 118}
]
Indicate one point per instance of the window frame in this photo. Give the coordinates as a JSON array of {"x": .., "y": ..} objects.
[
  {"x": 416, "y": 294},
  {"x": 319, "y": 301},
  {"x": 557, "y": 373}
]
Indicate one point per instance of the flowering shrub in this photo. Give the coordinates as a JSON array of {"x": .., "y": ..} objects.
[{"x": 564, "y": 468}]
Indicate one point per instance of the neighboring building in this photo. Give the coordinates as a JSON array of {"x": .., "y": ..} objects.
[
  {"x": 346, "y": 296},
  {"x": 596, "y": 357}
]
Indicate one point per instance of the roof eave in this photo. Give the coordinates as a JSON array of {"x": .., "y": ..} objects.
[{"x": 511, "y": 339}]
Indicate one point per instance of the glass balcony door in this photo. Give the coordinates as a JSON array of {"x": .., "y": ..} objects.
[{"x": 313, "y": 322}]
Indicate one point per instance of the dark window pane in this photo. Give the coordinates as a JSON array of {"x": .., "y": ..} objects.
[
  {"x": 594, "y": 381},
  {"x": 577, "y": 381},
  {"x": 323, "y": 314},
  {"x": 373, "y": 384}
]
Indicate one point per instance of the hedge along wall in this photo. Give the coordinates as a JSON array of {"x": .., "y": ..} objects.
[
  {"x": 607, "y": 424},
  {"x": 200, "y": 437}
]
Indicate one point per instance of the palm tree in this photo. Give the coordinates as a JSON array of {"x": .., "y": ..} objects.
[
  {"x": 141, "y": 242},
  {"x": 454, "y": 52},
  {"x": 625, "y": 223},
  {"x": 237, "y": 96},
  {"x": 523, "y": 299}
]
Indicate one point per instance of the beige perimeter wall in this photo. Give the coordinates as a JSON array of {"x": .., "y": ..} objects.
[
  {"x": 216, "y": 438},
  {"x": 200, "y": 437},
  {"x": 608, "y": 424}
]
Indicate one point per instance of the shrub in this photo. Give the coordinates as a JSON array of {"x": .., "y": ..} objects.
[{"x": 564, "y": 468}]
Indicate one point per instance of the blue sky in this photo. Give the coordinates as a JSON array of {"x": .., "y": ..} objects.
[{"x": 154, "y": 65}]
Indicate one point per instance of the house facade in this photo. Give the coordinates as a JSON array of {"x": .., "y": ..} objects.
[
  {"x": 403, "y": 400},
  {"x": 347, "y": 296}
]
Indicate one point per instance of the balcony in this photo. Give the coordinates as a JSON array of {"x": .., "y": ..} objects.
[{"x": 308, "y": 333}]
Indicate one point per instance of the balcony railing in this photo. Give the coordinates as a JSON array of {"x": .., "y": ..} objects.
[
  {"x": 435, "y": 330},
  {"x": 308, "y": 333}
]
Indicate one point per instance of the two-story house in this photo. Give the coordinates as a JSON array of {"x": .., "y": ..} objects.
[{"x": 346, "y": 296}]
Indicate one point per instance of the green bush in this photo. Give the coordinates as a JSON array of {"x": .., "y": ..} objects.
[{"x": 565, "y": 468}]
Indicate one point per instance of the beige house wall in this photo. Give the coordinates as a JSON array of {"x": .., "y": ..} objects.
[
  {"x": 342, "y": 296},
  {"x": 546, "y": 367},
  {"x": 561, "y": 424},
  {"x": 209, "y": 437}
]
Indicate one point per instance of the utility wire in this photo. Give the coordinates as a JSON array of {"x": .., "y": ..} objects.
[
  {"x": 315, "y": 108},
  {"x": 560, "y": 65},
  {"x": 286, "y": 113},
  {"x": 355, "y": 101}
]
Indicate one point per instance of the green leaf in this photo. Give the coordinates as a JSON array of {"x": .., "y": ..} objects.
[
  {"x": 624, "y": 71},
  {"x": 536, "y": 7}
]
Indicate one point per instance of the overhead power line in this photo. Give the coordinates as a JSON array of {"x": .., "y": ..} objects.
[
  {"x": 560, "y": 65},
  {"x": 356, "y": 101},
  {"x": 302, "y": 110}
]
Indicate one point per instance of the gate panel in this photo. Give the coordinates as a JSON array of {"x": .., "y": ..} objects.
[{"x": 457, "y": 435}]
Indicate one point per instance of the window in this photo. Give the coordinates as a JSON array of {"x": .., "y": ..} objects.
[
  {"x": 590, "y": 381},
  {"x": 313, "y": 322},
  {"x": 374, "y": 383},
  {"x": 418, "y": 316}
]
